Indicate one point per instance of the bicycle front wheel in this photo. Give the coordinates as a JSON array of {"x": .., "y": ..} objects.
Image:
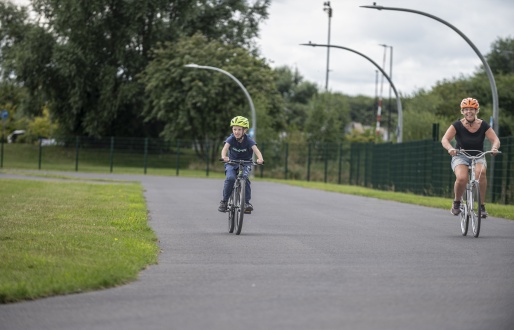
[
  {"x": 475, "y": 210},
  {"x": 240, "y": 206},
  {"x": 464, "y": 214},
  {"x": 231, "y": 212}
]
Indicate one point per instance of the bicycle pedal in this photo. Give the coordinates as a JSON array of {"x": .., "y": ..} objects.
[{"x": 248, "y": 212}]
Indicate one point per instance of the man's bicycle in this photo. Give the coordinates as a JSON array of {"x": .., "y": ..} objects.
[
  {"x": 237, "y": 202},
  {"x": 470, "y": 204}
]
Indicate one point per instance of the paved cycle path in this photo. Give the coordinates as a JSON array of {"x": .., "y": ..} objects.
[{"x": 306, "y": 259}]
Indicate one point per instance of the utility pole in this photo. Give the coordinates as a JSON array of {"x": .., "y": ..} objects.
[
  {"x": 379, "y": 110},
  {"x": 390, "y": 76},
  {"x": 328, "y": 9}
]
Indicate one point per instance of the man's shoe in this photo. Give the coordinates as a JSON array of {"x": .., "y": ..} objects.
[
  {"x": 483, "y": 211},
  {"x": 223, "y": 206},
  {"x": 456, "y": 208},
  {"x": 248, "y": 208}
]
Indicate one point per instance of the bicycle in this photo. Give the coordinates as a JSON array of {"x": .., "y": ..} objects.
[
  {"x": 237, "y": 203},
  {"x": 470, "y": 201}
]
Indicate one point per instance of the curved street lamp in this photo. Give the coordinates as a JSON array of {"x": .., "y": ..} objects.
[
  {"x": 399, "y": 137},
  {"x": 252, "y": 108},
  {"x": 496, "y": 126}
]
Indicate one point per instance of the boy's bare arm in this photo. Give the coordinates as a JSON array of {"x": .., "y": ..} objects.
[
  {"x": 257, "y": 152},
  {"x": 224, "y": 152}
]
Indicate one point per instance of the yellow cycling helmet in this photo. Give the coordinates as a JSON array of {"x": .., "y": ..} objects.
[{"x": 240, "y": 121}]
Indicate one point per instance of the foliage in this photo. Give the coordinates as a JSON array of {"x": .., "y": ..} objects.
[
  {"x": 501, "y": 57},
  {"x": 81, "y": 58},
  {"x": 197, "y": 104},
  {"x": 328, "y": 114},
  {"x": 361, "y": 137},
  {"x": 363, "y": 109},
  {"x": 418, "y": 124},
  {"x": 296, "y": 94}
]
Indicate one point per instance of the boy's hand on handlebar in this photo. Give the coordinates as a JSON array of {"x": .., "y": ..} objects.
[
  {"x": 225, "y": 159},
  {"x": 260, "y": 161},
  {"x": 495, "y": 151}
]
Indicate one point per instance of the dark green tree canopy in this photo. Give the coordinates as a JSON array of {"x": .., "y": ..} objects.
[
  {"x": 501, "y": 57},
  {"x": 198, "y": 104},
  {"x": 82, "y": 57}
]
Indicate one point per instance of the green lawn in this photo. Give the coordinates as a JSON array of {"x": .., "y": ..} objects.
[{"x": 65, "y": 237}]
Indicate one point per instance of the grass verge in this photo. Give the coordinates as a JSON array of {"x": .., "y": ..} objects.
[
  {"x": 68, "y": 237},
  {"x": 496, "y": 210}
]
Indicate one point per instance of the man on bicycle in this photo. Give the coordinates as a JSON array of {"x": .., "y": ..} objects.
[
  {"x": 238, "y": 146},
  {"x": 470, "y": 133}
]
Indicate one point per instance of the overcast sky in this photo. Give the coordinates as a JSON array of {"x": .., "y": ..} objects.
[{"x": 424, "y": 50}]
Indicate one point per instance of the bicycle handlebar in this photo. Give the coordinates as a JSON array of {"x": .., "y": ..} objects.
[
  {"x": 479, "y": 155},
  {"x": 240, "y": 162}
]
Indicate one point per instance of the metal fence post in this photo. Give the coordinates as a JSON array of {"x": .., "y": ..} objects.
[
  {"x": 146, "y": 155},
  {"x": 77, "y": 144},
  {"x": 309, "y": 146},
  {"x": 207, "y": 158},
  {"x": 340, "y": 166},
  {"x": 40, "y": 154},
  {"x": 287, "y": 156},
  {"x": 111, "y": 156},
  {"x": 178, "y": 157}
]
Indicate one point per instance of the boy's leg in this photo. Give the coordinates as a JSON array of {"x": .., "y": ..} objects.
[
  {"x": 230, "y": 174},
  {"x": 230, "y": 178},
  {"x": 248, "y": 190}
]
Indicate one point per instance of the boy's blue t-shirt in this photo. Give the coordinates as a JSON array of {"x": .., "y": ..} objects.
[{"x": 240, "y": 151}]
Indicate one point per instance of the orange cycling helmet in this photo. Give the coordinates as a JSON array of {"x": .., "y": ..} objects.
[{"x": 469, "y": 103}]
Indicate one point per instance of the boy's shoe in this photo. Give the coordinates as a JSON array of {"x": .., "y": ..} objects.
[
  {"x": 484, "y": 212},
  {"x": 223, "y": 206},
  {"x": 248, "y": 208},
  {"x": 455, "y": 208}
]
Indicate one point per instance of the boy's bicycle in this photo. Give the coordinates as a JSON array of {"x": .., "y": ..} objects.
[
  {"x": 470, "y": 204},
  {"x": 237, "y": 203}
]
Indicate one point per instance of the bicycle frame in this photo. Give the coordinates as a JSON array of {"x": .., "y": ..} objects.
[
  {"x": 470, "y": 207},
  {"x": 237, "y": 201}
]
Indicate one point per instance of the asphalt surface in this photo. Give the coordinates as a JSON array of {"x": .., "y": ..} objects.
[{"x": 306, "y": 259}]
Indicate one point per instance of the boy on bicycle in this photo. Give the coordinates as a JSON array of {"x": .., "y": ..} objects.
[{"x": 238, "y": 146}]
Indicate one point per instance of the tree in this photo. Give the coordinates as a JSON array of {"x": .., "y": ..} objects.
[
  {"x": 296, "y": 93},
  {"x": 327, "y": 117},
  {"x": 81, "y": 58},
  {"x": 363, "y": 109},
  {"x": 198, "y": 104},
  {"x": 501, "y": 57}
]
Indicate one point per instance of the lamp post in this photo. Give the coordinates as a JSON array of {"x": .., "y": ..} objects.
[
  {"x": 398, "y": 102},
  {"x": 390, "y": 76},
  {"x": 484, "y": 62},
  {"x": 328, "y": 9},
  {"x": 252, "y": 108}
]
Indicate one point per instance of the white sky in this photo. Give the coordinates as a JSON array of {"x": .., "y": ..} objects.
[{"x": 424, "y": 50}]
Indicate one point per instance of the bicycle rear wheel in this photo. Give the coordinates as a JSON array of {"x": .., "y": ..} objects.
[
  {"x": 231, "y": 212},
  {"x": 475, "y": 211},
  {"x": 464, "y": 215},
  {"x": 239, "y": 206}
]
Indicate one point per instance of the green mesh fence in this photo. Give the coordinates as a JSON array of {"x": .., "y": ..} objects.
[{"x": 420, "y": 167}]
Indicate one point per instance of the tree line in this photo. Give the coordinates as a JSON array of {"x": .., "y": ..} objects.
[{"x": 116, "y": 68}]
